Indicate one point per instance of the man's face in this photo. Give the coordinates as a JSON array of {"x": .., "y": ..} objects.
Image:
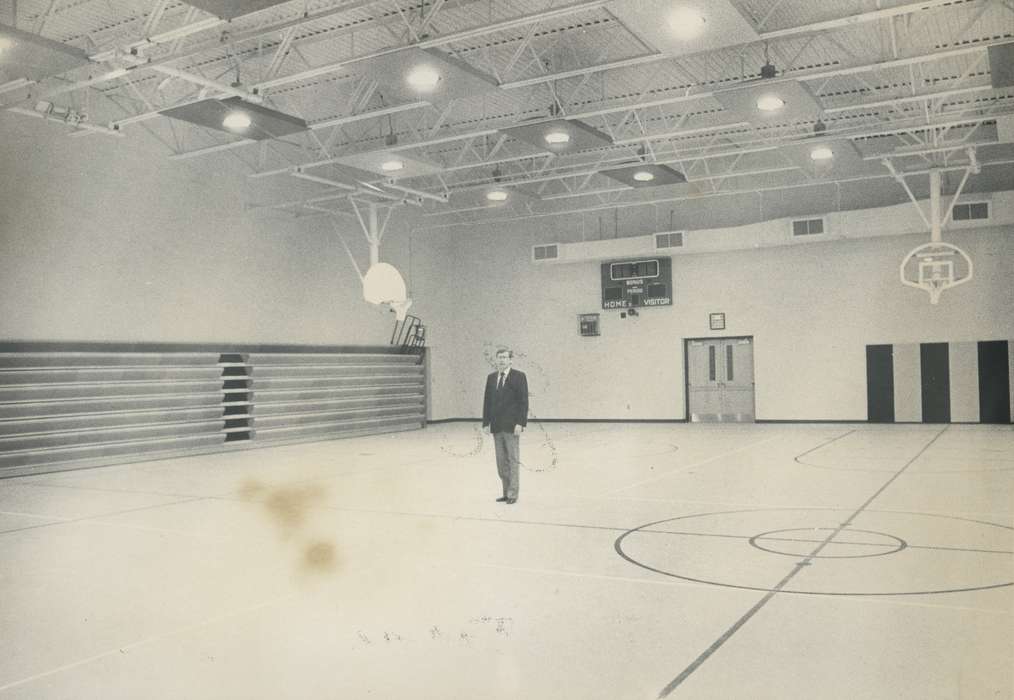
[{"x": 503, "y": 361}]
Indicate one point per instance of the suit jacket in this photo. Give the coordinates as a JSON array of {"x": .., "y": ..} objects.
[{"x": 504, "y": 408}]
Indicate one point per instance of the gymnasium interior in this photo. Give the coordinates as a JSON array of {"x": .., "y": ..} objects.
[{"x": 753, "y": 257}]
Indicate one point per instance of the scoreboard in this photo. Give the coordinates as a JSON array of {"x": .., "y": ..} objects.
[{"x": 636, "y": 283}]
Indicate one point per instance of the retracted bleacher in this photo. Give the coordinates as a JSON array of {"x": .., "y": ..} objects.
[
  {"x": 317, "y": 395},
  {"x": 68, "y": 409}
]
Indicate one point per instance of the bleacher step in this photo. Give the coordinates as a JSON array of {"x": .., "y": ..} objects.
[{"x": 67, "y": 410}]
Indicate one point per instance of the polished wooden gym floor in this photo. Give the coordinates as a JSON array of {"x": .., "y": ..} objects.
[{"x": 641, "y": 561}]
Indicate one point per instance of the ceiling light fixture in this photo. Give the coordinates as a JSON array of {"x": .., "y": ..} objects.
[
  {"x": 423, "y": 77},
  {"x": 644, "y": 176},
  {"x": 389, "y": 166},
  {"x": 557, "y": 137},
  {"x": 770, "y": 103},
  {"x": 686, "y": 22},
  {"x": 821, "y": 153},
  {"x": 237, "y": 121},
  {"x": 497, "y": 195}
]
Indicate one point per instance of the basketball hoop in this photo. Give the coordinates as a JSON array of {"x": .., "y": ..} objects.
[
  {"x": 934, "y": 267},
  {"x": 383, "y": 284}
]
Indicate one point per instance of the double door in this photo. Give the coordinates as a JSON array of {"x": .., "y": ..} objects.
[{"x": 720, "y": 386}]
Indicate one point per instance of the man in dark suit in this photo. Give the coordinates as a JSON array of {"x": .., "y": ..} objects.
[{"x": 505, "y": 415}]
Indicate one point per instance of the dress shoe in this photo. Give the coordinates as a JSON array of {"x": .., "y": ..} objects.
[
  {"x": 502, "y": 499},
  {"x": 511, "y": 500}
]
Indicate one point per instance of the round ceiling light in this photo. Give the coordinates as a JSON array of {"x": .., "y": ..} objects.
[
  {"x": 644, "y": 176},
  {"x": 423, "y": 77},
  {"x": 770, "y": 103},
  {"x": 821, "y": 153},
  {"x": 497, "y": 195},
  {"x": 236, "y": 120},
  {"x": 557, "y": 137},
  {"x": 389, "y": 166},
  {"x": 686, "y": 22}
]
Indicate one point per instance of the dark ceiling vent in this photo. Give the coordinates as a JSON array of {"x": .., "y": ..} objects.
[
  {"x": 971, "y": 211},
  {"x": 670, "y": 239},
  {"x": 542, "y": 253},
  {"x": 807, "y": 227}
]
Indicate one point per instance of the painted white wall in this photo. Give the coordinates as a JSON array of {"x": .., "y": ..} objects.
[
  {"x": 963, "y": 369},
  {"x": 811, "y": 309},
  {"x": 105, "y": 239}
]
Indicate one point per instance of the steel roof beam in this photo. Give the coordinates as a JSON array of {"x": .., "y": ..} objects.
[
  {"x": 438, "y": 41},
  {"x": 853, "y": 20},
  {"x": 679, "y": 198},
  {"x": 911, "y": 98},
  {"x": 805, "y": 75}
]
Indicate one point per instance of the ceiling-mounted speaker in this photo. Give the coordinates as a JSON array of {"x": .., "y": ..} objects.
[{"x": 1001, "y": 65}]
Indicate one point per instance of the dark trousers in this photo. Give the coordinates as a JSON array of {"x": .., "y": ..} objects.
[{"x": 508, "y": 457}]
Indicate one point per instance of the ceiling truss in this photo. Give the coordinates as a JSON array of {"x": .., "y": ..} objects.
[{"x": 909, "y": 77}]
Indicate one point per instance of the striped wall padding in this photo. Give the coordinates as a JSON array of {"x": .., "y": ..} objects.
[
  {"x": 961, "y": 382},
  {"x": 64, "y": 410}
]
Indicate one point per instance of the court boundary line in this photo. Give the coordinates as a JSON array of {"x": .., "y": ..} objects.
[
  {"x": 798, "y": 567},
  {"x": 56, "y": 520}
]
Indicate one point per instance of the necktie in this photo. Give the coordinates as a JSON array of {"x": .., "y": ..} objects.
[{"x": 500, "y": 381}]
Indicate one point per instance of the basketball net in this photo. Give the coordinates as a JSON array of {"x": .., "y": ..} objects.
[{"x": 935, "y": 287}]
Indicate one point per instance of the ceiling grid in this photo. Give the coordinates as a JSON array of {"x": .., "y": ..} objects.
[{"x": 874, "y": 75}]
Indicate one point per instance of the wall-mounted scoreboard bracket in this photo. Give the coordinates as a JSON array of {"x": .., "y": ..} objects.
[{"x": 637, "y": 282}]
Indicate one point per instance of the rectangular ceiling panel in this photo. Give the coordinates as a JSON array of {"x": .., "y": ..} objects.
[
  {"x": 265, "y": 123},
  {"x": 230, "y": 9},
  {"x": 744, "y": 102},
  {"x": 32, "y": 57},
  {"x": 451, "y": 78},
  {"x": 687, "y": 27}
]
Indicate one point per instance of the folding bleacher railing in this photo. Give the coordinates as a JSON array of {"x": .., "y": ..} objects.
[{"x": 409, "y": 335}]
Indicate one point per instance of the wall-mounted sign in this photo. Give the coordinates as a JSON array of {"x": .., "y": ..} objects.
[
  {"x": 588, "y": 324},
  {"x": 716, "y": 322}
]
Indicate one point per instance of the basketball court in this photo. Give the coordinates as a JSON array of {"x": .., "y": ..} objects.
[
  {"x": 736, "y": 275},
  {"x": 696, "y": 561}
]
